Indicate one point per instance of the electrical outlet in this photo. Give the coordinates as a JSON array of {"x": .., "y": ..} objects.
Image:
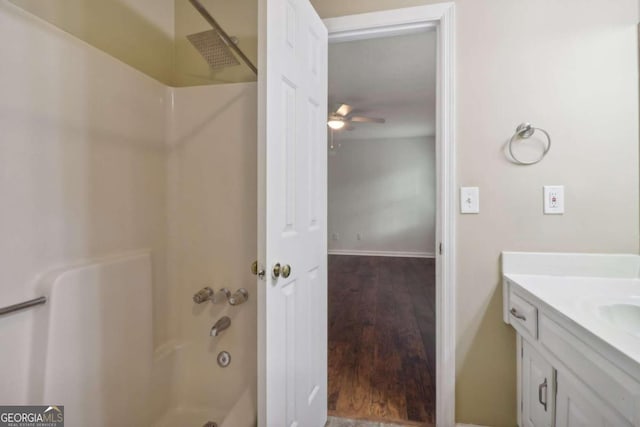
[
  {"x": 335, "y": 236},
  {"x": 554, "y": 199},
  {"x": 359, "y": 236}
]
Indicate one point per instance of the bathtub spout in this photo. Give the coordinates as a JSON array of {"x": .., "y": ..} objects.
[{"x": 220, "y": 326}]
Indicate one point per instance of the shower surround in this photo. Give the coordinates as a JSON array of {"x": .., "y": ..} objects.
[{"x": 99, "y": 160}]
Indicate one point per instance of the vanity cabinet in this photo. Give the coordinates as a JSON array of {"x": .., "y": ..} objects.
[
  {"x": 553, "y": 397},
  {"x": 562, "y": 381}
]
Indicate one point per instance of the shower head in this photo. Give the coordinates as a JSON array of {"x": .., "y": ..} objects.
[{"x": 213, "y": 49}]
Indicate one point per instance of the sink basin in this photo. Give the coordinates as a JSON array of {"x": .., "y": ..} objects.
[{"x": 624, "y": 316}]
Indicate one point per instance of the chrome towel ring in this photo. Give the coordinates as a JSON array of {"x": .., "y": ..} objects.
[{"x": 525, "y": 131}]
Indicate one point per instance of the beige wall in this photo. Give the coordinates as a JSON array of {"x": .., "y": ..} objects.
[{"x": 570, "y": 67}]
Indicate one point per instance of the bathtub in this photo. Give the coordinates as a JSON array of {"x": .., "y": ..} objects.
[
  {"x": 174, "y": 402},
  {"x": 93, "y": 353}
]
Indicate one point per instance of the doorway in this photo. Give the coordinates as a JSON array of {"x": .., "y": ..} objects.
[
  {"x": 391, "y": 301},
  {"x": 381, "y": 224}
]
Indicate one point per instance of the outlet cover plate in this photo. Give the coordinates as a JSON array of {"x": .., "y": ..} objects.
[
  {"x": 553, "y": 199},
  {"x": 469, "y": 200}
]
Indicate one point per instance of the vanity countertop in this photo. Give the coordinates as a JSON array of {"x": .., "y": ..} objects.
[
  {"x": 597, "y": 295},
  {"x": 591, "y": 304}
]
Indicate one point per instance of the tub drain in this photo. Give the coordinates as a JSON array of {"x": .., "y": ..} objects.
[
  {"x": 224, "y": 359},
  {"x": 210, "y": 424}
]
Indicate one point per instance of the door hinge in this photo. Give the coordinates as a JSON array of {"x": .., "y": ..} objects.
[{"x": 440, "y": 248}]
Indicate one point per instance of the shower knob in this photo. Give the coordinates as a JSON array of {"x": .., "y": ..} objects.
[{"x": 203, "y": 295}]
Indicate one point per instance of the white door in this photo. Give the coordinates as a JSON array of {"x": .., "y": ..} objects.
[{"x": 292, "y": 215}]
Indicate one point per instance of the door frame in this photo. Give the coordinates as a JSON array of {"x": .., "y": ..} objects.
[{"x": 439, "y": 16}]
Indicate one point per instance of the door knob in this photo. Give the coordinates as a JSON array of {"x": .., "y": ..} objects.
[
  {"x": 281, "y": 270},
  {"x": 275, "y": 272},
  {"x": 256, "y": 270},
  {"x": 286, "y": 270}
]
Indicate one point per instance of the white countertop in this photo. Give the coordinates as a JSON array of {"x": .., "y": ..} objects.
[{"x": 584, "y": 300}]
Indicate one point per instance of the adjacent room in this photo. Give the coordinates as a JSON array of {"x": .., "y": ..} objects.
[{"x": 381, "y": 227}]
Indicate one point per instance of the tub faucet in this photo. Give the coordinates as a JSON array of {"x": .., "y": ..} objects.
[
  {"x": 207, "y": 294},
  {"x": 222, "y": 324}
]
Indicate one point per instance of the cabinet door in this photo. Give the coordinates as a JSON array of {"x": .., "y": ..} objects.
[
  {"x": 578, "y": 406},
  {"x": 538, "y": 389}
]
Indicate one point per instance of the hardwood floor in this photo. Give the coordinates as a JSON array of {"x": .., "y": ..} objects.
[{"x": 382, "y": 339}]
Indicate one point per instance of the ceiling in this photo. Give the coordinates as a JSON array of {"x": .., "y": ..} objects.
[{"x": 393, "y": 78}]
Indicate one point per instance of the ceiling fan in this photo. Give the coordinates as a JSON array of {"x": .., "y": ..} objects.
[{"x": 342, "y": 118}]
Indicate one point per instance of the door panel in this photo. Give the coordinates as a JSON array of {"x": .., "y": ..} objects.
[
  {"x": 577, "y": 406},
  {"x": 292, "y": 311},
  {"x": 538, "y": 392}
]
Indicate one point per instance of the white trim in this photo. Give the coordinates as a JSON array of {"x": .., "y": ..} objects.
[
  {"x": 394, "y": 254},
  {"x": 421, "y": 18}
]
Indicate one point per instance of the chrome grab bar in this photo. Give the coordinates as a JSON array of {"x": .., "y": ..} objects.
[{"x": 22, "y": 305}]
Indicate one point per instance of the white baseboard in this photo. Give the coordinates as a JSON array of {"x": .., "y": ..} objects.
[{"x": 396, "y": 254}]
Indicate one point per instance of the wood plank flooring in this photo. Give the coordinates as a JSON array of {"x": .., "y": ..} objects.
[{"x": 382, "y": 339}]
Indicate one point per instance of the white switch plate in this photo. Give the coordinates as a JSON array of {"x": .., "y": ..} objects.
[
  {"x": 469, "y": 200},
  {"x": 554, "y": 199}
]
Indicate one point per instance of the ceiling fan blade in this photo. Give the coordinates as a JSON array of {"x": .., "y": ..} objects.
[
  {"x": 344, "y": 110},
  {"x": 361, "y": 119}
]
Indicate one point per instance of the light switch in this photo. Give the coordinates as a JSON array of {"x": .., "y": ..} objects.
[
  {"x": 469, "y": 200},
  {"x": 554, "y": 199}
]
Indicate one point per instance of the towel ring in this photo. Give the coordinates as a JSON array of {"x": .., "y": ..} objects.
[{"x": 525, "y": 131}]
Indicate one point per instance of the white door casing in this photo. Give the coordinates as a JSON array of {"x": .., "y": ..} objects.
[{"x": 292, "y": 210}]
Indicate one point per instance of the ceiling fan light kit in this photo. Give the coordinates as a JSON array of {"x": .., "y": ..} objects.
[
  {"x": 335, "y": 124},
  {"x": 342, "y": 117}
]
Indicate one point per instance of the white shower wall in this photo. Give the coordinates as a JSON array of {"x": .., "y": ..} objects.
[
  {"x": 97, "y": 158},
  {"x": 82, "y": 172},
  {"x": 212, "y": 203}
]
